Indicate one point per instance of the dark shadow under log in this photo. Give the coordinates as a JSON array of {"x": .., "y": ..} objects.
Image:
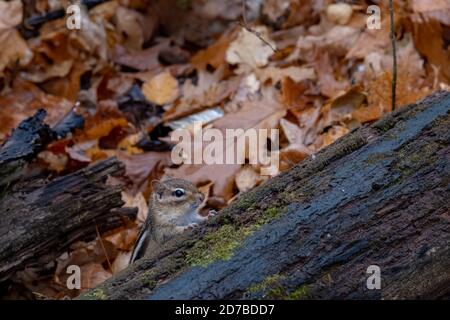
[{"x": 378, "y": 196}]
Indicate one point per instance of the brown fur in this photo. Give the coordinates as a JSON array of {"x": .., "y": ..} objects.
[{"x": 168, "y": 214}]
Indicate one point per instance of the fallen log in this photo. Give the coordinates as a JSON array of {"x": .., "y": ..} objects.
[
  {"x": 40, "y": 218},
  {"x": 377, "y": 197},
  {"x": 43, "y": 222},
  {"x": 28, "y": 139}
]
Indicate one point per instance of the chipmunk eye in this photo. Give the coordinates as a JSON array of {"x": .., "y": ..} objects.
[{"x": 178, "y": 193}]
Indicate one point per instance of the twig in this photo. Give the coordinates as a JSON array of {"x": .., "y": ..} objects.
[
  {"x": 245, "y": 25},
  {"x": 244, "y": 12},
  {"x": 37, "y": 21},
  {"x": 103, "y": 247},
  {"x": 257, "y": 34},
  {"x": 394, "y": 55}
]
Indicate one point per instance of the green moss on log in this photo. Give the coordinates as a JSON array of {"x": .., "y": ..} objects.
[
  {"x": 96, "y": 294},
  {"x": 220, "y": 245},
  {"x": 270, "y": 287},
  {"x": 300, "y": 293}
]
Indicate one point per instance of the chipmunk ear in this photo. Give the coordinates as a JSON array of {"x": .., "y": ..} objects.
[
  {"x": 158, "y": 189},
  {"x": 157, "y": 185},
  {"x": 166, "y": 177}
]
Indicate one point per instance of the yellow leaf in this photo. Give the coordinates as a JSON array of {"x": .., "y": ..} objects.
[{"x": 161, "y": 89}]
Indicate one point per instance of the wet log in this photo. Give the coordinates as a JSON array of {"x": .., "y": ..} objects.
[
  {"x": 28, "y": 139},
  {"x": 377, "y": 197},
  {"x": 39, "y": 223},
  {"x": 41, "y": 218}
]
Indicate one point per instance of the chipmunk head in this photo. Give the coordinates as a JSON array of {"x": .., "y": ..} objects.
[{"x": 175, "y": 197}]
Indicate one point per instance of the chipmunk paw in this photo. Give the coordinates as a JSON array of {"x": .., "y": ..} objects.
[
  {"x": 191, "y": 226},
  {"x": 211, "y": 213}
]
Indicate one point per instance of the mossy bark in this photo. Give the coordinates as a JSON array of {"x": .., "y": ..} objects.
[{"x": 378, "y": 196}]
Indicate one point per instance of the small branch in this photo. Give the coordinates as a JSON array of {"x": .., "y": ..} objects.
[
  {"x": 257, "y": 34},
  {"x": 103, "y": 246},
  {"x": 245, "y": 25},
  {"x": 30, "y": 25},
  {"x": 244, "y": 12},
  {"x": 394, "y": 55}
]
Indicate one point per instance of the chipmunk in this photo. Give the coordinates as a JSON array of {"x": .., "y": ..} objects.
[{"x": 174, "y": 207}]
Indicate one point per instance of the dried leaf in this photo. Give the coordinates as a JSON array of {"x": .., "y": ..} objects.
[
  {"x": 135, "y": 201},
  {"x": 162, "y": 89},
  {"x": 129, "y": 25},
  {"x": 14, "y": 49},
  {"x": 141, "y": 168},
  {"x": 333, "y": 134},
  {"x": 56, "y": 162},
  {"x": 293, "y": 154},
  {"x": 428, "y": 38},
  {"x": 23, "y": 100},
  {"x": 292, "y": 132},
  {"x": 371, "y": 40},
  {"x": 121, "y": 262},
  {"x": 297, "y": 74},
  {"x": 339, "y": 12},
  {"x": 10, "y": 14},
  {"x": 215, "y": 54},
  {"x": 257, "y": 115},
  {"x": 103, "y": 128},
  {"x": 247, "y": 178},
  {"x": 248, "y": 50},
  {"x": 140, "y": 60},
  {"x": 53, "y": 71},
  {"x": 93, "y": 275},
  {"x": 124, "y": 239}
]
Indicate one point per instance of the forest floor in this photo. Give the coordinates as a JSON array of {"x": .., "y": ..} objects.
[{"x": 137, "y": 70}]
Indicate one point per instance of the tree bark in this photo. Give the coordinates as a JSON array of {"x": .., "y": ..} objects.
[
  {"x": 42, "y": 223},
  {"x": 28, "y": 139},
  {"x": 376, "y": 197},
  {"x": 40, "y": 219}
]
